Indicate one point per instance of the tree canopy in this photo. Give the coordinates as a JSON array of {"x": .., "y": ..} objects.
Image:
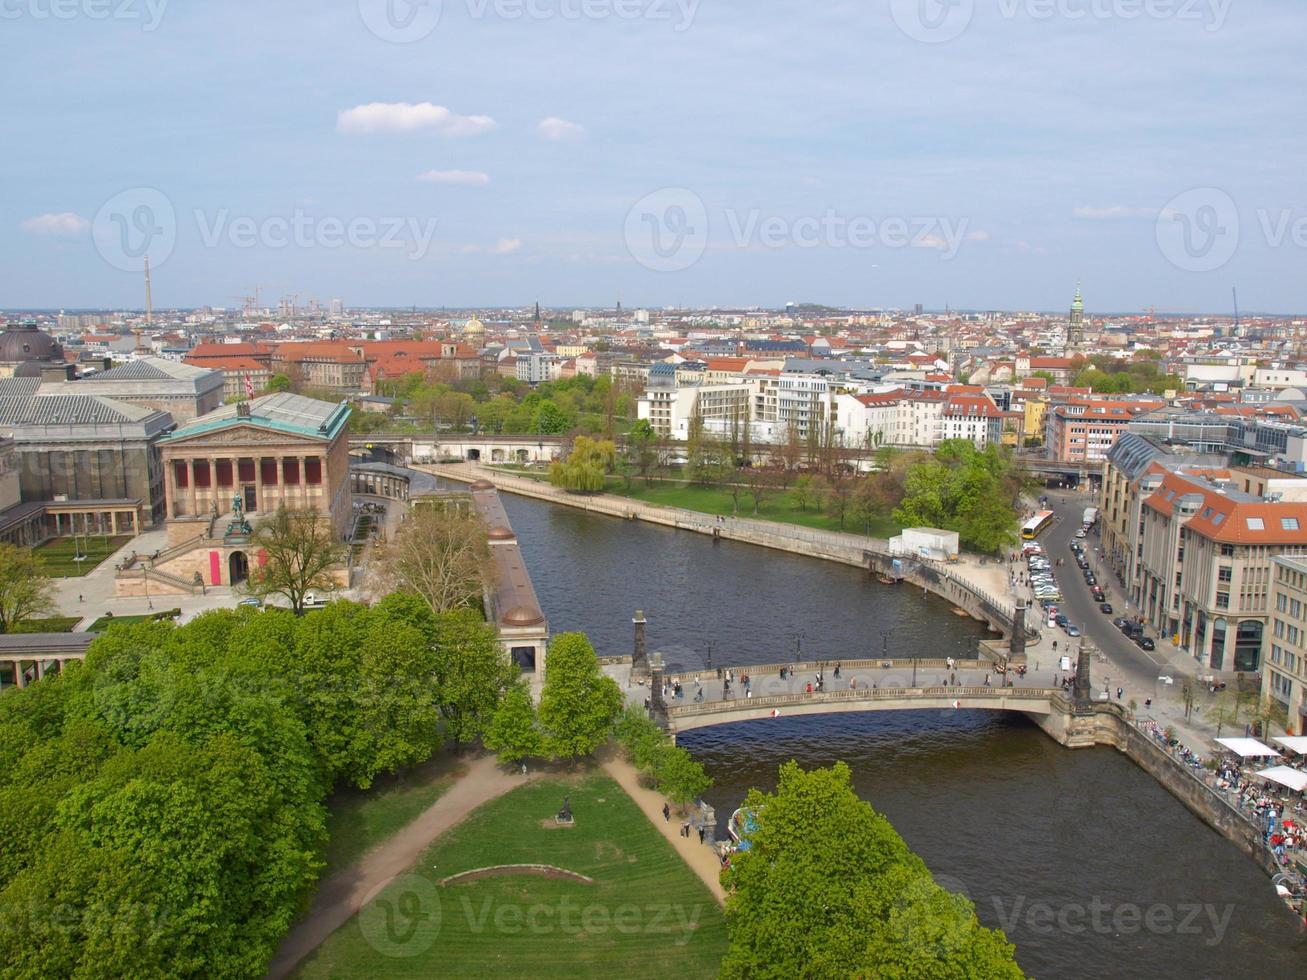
[
  {"x": 163, "y": 801},
  {"x": 25, "y": 590},
  {"x": 301, "y": 549},
  {"x": 579, "y": 703},
  {"x": 829, "y": 888},
  {"x": 964, "y": 489},
  {"x": 441, "y": 554},
  {"x": 586, "y": 466}
]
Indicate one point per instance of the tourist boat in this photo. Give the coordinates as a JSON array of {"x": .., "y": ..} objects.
[{"x": 741, "y": 823}]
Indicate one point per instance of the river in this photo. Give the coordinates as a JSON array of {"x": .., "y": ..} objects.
[{"x": 1092, "y": 869}]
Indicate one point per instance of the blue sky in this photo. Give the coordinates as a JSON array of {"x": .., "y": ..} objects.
[{"x": 835, "y": 155}]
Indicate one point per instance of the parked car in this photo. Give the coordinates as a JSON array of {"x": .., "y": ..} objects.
[
  {"x": 252, "y": 600},
  {"x": 1119, "y": 622},
  {"x": 1072, "y": 630},
  {"x": 1145, "y": 642},
  {"x": 1090, "y": 579},
  {"x": 1081, "y": 533},
  {"x": 1061, "y": 620},
  {"x": 1105, "y": 608}
]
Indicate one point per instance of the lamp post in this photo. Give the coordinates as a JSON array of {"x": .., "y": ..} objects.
[
  {"x": 710, "y": 646},
  {"x": 798, "y": 646}
]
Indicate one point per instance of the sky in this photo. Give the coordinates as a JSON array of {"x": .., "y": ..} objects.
[{"x": 976, "y": 154}]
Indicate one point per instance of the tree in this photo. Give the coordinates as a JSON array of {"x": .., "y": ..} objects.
[
  {"x": 441, "y": 554},
  {"x": 25, "y": 590},
  {"x": 829, "y": 888},
  {"x": 586, "y": 467},
  {"x": 681, "y": 777},
  {"x": 802, "y": 492},
  {"x": 301, "y": 549},
  {"x": 472, "y": 673},
  {"x": 279, "y": 382},
  {"x": 579, "y": 703},
  {"x": 838, "y": 498},
  {"x": 759, "y": 482},
  {"x": 642, "y": 448},
  {"x": 514, "y": 733}
]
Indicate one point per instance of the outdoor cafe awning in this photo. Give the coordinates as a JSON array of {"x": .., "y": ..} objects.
[
  {"x": 1294, "y": 743},
  {"x": 1285, "y": 777},
  {"x": 1246, "y": 748}
]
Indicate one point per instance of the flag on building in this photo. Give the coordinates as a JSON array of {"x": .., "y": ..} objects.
[{"x": 249, "y": 386}]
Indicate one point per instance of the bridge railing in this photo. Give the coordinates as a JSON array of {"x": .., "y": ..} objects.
[
  {"x": 827, "y": 664},
  {"x": 871, "y": 695}
]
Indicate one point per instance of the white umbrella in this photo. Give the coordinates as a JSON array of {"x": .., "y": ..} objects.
[{"x": 1285, "y": 777}]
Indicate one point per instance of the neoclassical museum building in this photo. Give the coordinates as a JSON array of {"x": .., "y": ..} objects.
[{"x": 225, "y": 470}]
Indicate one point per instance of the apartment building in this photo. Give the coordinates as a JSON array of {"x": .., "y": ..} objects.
[
  {"x": 669, "y": 410},
  {"x": 1084, "y": 429},
  {"x": 1284, "y": 664},
  {"x": 1204, "y": 566}
]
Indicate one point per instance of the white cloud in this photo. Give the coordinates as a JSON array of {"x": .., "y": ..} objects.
[
  {"x": 560, "y": 130},
  {"x": 65, "y": 225},
  {"x": 409, "y": 117},
  {"x": 1114, "y": 212},
  {"x": 504, "y": 246},
  {"x": 468, "y": 178}
]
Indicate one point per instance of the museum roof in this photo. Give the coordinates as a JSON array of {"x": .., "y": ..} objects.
[
  {"x": 154, "y": 369},
  {"x": 292, "y": 414}
]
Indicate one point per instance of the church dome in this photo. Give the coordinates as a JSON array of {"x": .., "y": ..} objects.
[
  {"x": 24, "y": 342},
  {"x": 474, "y": 327}
]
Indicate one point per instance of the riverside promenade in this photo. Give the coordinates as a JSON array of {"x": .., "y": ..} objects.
[{"x": 981, "y": 590}]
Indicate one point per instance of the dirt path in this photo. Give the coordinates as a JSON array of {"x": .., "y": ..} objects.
[
  {"x": 342, "y": 895},
  {"x": 701, "y": 858}
]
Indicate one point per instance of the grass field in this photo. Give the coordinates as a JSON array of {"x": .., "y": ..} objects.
[
  {"x": 357, "y": 820},
  {"x": 104, "y": 622},
  {"x": 645, "y": 915},
  {"x": 57, "y": 555},
  {"x": 777, "y": 506},
  {"x": 57, "y": 624}
]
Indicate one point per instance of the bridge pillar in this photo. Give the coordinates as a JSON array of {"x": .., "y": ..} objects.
[
  {"x": 639, "y": 656},
  {"x": 1017, "y": 644},
  {"x": 1082, "y": 691}
]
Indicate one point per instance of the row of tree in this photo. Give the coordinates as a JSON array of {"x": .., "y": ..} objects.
[{"x": 162, "y": 803}]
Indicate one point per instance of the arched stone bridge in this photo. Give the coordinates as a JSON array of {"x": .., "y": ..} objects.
[{"x": 1066, "y": 715}]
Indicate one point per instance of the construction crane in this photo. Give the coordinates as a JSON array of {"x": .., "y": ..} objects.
[{"x": 1235, "y": 291}]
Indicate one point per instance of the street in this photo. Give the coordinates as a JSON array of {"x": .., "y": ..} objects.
[{"x": 1137, "y": 669}]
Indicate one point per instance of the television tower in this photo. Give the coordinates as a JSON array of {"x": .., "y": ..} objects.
[{"x": 149, "y": 299}]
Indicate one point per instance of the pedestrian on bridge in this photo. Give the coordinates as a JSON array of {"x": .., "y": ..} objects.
[{"x": 837, "y": 671}]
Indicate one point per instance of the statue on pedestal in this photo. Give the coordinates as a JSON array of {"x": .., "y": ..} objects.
[{"x": 565, "y": 814}]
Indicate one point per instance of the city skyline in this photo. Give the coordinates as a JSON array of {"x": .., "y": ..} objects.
[{"x": 690, "y": 156}]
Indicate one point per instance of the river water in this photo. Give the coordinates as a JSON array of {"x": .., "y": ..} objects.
[{"x": 1091, "y": 868}]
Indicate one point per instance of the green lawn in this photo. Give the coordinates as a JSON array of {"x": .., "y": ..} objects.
[
  {"x": 57, "y": 555},
  {"x": 358, "y": 819},
  {"x": 57, "y": 624},
  {"x": 104, "y": 622},
  {"x": 777, "y": 506},
  {"x": 646, "y": 915}
]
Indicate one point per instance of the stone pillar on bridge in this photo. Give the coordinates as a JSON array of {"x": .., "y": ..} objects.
[
  {"x": 639, "y": 657},
  {"x": 1017, "y": 644},
  {"x": 1082, "y": 691}
]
